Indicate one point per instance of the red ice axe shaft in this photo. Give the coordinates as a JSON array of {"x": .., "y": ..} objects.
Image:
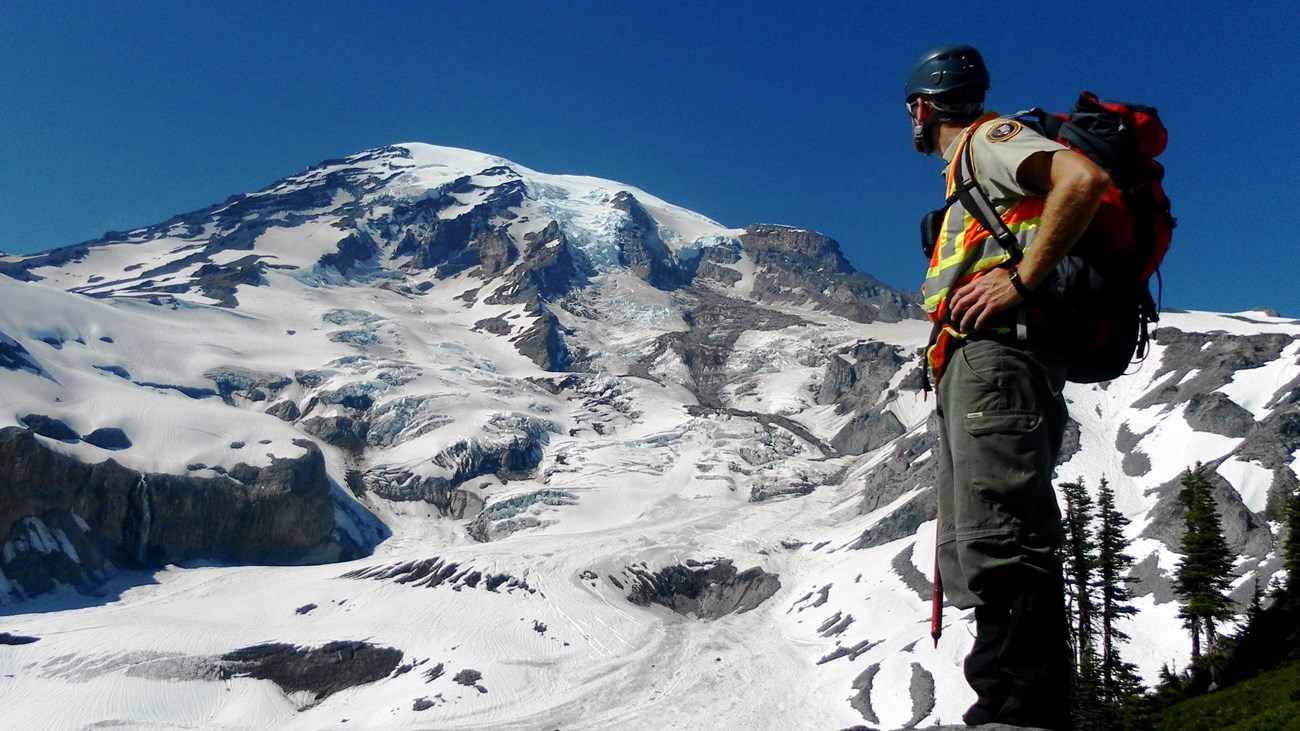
[{"x": 936, "y": 596}]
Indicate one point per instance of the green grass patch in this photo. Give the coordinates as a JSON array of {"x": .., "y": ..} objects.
[{"x": 1268, "y": 702}]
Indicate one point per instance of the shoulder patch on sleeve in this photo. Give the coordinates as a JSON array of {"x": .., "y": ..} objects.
[{"x": 1003, "y": 131}]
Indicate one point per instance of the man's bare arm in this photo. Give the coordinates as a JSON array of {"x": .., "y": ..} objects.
[{"x": 1074, "y": 187}]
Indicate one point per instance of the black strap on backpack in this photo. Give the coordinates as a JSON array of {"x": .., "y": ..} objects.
[{"x": 977, "y": 202}]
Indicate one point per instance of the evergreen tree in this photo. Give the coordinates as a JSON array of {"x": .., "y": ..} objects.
[
  {"x": 1093, "y": 554},
  {"x": 1291, "y": 549},
  {"x": 1115, "y": 596},
  {"x": 1256, "y": 608},
  {"x": 1203, "y": 577},
  {"x": 1080, "y": 560},
  {"x": 1119, "y": 681}
]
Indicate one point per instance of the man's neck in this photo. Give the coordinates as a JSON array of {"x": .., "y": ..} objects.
[{"x": 949, "y": 131}]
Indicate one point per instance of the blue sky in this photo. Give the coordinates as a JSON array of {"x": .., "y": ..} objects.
[{"x": 119, "y": 115}]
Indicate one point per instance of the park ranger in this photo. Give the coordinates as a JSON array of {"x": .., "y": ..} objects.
[{"x": 1000, "y": 406}]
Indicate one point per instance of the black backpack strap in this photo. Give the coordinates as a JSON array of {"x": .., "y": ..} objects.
[
  {"x": 1047, "y": 125},
  {"x": 977, "y": 202}
]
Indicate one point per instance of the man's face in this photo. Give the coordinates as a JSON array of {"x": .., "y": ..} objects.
[{"x": 919, "y": 112}]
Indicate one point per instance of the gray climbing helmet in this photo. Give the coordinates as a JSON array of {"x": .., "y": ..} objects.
[
  {"x": 946, "y": 69},
  {"x": 953, "y": 80}
]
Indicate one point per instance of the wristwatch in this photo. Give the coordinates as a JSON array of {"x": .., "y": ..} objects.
[{"x": 1021, "y": 289}]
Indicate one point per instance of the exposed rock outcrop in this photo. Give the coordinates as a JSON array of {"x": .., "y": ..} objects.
[
  {"x": 65, "y": 522},
  {"x": 855, "y": 378},
  {"x": 432, "y": 572},
  {"x": 320, "y": 671},
  {"x": 50, "y": 428},
  {"x": 220, "y": 282},
  {"x": 1272, "y": 446},
  {"x": 1245, "y": 533},
  {"x": 861, "y": 701},
  {"x": 250, "y": 385},
  {"x": 910, "y": 466},
  {"x": 509, "y": 446},
  {"x": 868, "y": 431},
  {"x": 902, "y": 522},
  {"x": 1215, "y": 358},
  {"x": 715, "y": 324},
  {"x": 544, "y": 343},
  {"x": 640, "y": 248},
  {"x": 1216, "y": 413},
  {"x": 921, "y": 690},
  {"x": 467, "y": 240},
  {"x": 905, "y": 569},
  {"x": 706, "y": 590},
  {"x": 14, "y": 357},
  {"x": 111, "y": 438},
  {"x": 343, "y": 432},
  {"x": 714, "y": 263},
  {"x": 796, "y": 266},
  {"x": 547, "y": 270}
]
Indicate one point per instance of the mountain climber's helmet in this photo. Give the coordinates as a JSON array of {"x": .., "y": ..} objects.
[
  {"x": 947, "y": 68},
  {"x": 953, "y": 80}
]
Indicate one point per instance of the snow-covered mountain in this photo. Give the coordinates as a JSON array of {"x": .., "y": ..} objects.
[{"x": 424, "y": 439}]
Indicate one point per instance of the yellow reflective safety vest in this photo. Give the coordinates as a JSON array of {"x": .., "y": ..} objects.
[{"x": 964, "y": 251}]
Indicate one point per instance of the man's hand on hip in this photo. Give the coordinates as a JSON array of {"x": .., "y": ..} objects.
[{"x": 975, "y": 302}]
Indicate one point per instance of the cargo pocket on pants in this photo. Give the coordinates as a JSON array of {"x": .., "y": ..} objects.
[{"x": 1009, "y": 455}]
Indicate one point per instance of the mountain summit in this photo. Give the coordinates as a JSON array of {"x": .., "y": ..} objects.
[
  {"x": 419, "y": 213},
  {"x": 488, "y": 447}
]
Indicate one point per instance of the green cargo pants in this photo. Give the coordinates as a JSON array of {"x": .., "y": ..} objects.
[{"x": 1001, "y": 421}]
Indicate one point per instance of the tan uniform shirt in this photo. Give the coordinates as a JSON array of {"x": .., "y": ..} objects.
[{"x": 998, "y": 148}]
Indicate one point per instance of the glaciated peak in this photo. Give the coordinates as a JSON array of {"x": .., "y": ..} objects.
[{"x": 468, "y": 162}]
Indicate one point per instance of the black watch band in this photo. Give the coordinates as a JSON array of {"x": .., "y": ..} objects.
[{"x": 1020, "y": 287}]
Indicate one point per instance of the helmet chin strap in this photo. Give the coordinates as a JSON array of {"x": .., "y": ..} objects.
[{"x": 923, "y": 137}]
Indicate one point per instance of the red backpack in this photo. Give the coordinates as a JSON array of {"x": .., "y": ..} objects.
[{"x": 1100, "y": 297}]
